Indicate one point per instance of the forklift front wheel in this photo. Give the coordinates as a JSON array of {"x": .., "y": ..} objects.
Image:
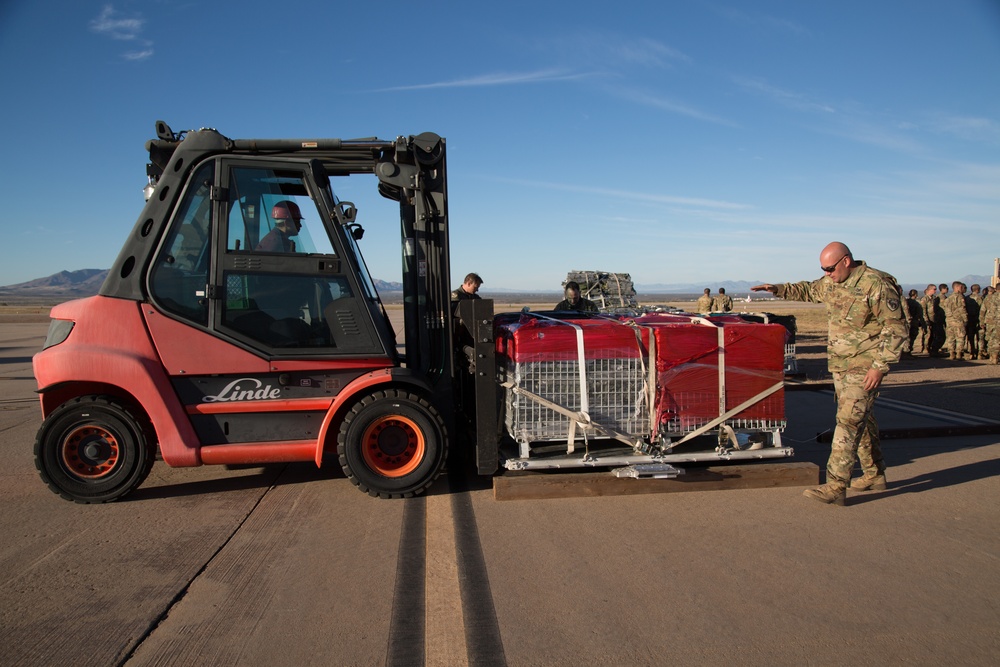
[
  {"x": 392, "y": 444},
  {"x": 93, "y": 450}
]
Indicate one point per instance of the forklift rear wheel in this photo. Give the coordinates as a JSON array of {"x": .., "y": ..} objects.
[
  {"x": 392, "y": 444},
  {"x": 93, "y": 450}
]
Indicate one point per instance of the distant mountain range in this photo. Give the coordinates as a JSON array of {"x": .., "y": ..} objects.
[{"x": 87, "y": 282}]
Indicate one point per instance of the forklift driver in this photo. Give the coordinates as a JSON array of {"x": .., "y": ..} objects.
[{"x": 287, "y": 217}]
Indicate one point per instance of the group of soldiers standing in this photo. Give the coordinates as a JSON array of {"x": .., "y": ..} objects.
[
  {"x": 958, "y": 325},
  {"x": 720, "y": 303}
]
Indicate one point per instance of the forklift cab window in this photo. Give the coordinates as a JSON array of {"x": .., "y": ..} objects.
[
  {"x": 285, "y": 287},
  {"x": 270, "y": 211},
  {"x": 180, "y": 272}
]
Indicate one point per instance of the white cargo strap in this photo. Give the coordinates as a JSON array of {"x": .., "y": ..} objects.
[
  {"x": 647, "y": 394},
  {"x": 726, "y": 415},
  {"x": 584, "y": 400},
  {"x": 721, "y": 342}
]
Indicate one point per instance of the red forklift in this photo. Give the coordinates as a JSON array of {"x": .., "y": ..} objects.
[{"x": 239, "y": 325}]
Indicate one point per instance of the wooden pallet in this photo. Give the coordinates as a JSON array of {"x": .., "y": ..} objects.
[{"x": 540, "y": 485}]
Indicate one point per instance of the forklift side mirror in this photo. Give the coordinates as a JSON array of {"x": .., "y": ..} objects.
[
  {"x": 348, "y": 212},
  {"x": 358, "y": 232}
]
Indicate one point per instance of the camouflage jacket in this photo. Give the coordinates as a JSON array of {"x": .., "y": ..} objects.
[
  {"x": 989, "y": 314},
  {"x": 954, "y": 310},
  {"x": 704, "y": 304},
  {"x": 973, "y": 304},
  {"x": 931, "y": 309},
  {"x": 915, "y": 310},
  {"x": 722, "y": 303},
  {"x": 866, "y": 318}
]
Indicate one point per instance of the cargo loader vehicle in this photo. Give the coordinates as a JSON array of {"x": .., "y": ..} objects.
[{"x": 239, "y": 325}]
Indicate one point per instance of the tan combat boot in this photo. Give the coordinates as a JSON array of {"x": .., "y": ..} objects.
[
  {"x": 866, "y": 483},
  {"x": 830, "y": 494}
]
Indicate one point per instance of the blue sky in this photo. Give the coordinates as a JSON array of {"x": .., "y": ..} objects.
[{"x": 677, "y": 141}]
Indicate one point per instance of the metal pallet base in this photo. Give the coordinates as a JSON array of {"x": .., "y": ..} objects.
[{"x": 601, "y": 460}]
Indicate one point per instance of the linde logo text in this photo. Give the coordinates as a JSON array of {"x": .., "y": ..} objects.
[{"x": 236, "y": 391}]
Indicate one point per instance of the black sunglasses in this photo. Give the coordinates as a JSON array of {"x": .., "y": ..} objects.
[{"x": 832, "y": 267}]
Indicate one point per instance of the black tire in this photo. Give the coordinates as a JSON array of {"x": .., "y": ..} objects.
[
  {"x": 392, "y": 444},
  {"x": 93, "y": 450}
]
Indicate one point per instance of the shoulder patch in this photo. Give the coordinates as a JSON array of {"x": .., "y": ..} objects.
[{"x": 893, "y": 303}]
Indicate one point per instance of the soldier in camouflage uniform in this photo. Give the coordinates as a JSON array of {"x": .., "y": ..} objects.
[
  {"x": 705, "y": 302},
  {"x": 722, "y": 303},
  {"x": 955, "y": 319},
  {"x": 989, "y": 318},
  {"x": 935, "y": 321},
  {"x": 974, "y": 303},
  {"x": 866, "y": 335},
  {"x": 904, "y": 311},
  {"x": 917, "y": 325}
]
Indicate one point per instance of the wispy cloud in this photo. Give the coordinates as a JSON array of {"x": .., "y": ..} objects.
[
  {"x": 629, "y": 195},
  {"x": 874, "y": 134},
  {"x": 790, "y": 99},
  {"x": 612, "y": 51},
  {"x": 111, "y": 24},
  {"x": 762, "y": 20},
  {"x": 967, "y": 127},
  {"x": 646, "y": 51},
  {"x": 670, "y": 105},
  {"x": 497, "y": 79}
]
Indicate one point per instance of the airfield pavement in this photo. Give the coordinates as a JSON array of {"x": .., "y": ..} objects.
[{"x": 290, "y": 564}]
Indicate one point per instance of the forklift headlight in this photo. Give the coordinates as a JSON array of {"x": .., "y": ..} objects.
[{"x": 58, "y": 332}]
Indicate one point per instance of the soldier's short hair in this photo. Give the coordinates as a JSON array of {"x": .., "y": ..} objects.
[
  {"x": 572, "y": 285},
  {"x": 473, "y": 278}
]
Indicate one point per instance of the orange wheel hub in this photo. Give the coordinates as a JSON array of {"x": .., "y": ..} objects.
[
  {"x": 90, "y": 452},
  {"x": 393, "y": 446}
]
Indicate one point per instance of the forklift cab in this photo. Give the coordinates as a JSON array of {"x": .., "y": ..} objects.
[{"x": 310, "y": 293}]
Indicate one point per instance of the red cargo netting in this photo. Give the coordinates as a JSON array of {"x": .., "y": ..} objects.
[
  {"x": 691, "y": 375},
  {"x": 532, "y": 338},
  {"x": 541, "y": 355},
  {"x": 703, "y": 369}
]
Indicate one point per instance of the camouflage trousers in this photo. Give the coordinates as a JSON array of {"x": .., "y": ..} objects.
[
  {"x": 936, "y": 338},
  {"x": 916, "y": 332},
  {"x": 856, "y": 435},
  {"x": 972, "y": 339},
  {"x": 954, "y": 340},
  {"x": 993, "y": 339}
]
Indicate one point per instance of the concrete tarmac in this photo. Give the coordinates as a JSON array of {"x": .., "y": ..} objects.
[{"x": 291, "y": 564}]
